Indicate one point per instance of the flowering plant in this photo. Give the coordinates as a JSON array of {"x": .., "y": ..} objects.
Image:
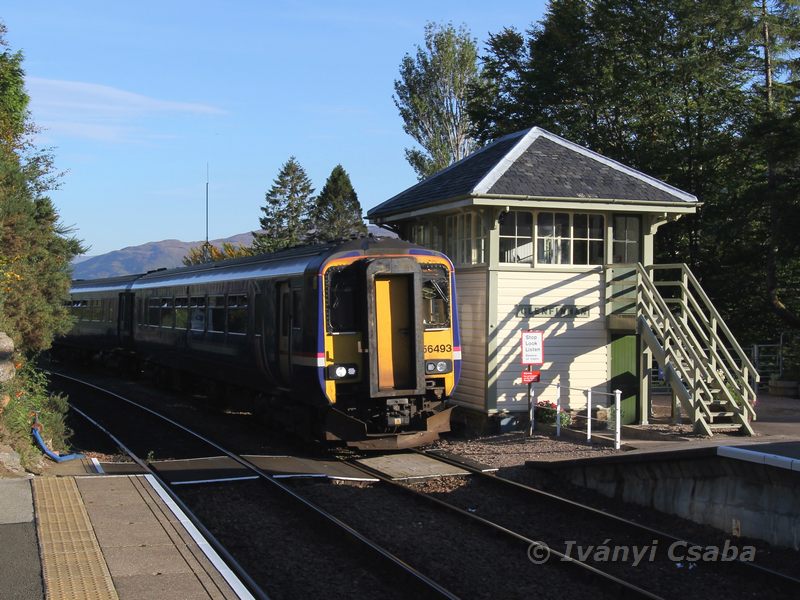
[{"x": 545, "y": 412}]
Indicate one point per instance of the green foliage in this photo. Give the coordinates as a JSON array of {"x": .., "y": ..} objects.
[
  {"x": 27, "y": 395},
  {"x": 337, "y": 212},
  {"x": 211, "y": 253},
  {"x": 545, "y": 412},
  {"x": 704, "y": 95},
  {"x": 431, "y": 96},
  {"x": 288, "y": 202}
]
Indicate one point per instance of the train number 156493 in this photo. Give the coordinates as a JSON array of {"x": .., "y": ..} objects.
[{"x": 438, "y": 348}]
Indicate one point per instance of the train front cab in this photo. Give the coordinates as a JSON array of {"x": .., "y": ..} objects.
[{"x": 391, "y": 352}]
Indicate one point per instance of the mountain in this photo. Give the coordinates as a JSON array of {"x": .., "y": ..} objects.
[{"x": 155, "y": 255}]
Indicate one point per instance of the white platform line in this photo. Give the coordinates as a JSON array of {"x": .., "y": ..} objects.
[
  {"x": 220, "y": 480},
  {"x": 236, "y": 585}
]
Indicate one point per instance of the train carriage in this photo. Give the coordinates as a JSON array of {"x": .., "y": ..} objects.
[{"x": 360, "y": 337}]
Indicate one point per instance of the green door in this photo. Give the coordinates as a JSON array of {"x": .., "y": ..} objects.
[{"x": 624, "y": 374}]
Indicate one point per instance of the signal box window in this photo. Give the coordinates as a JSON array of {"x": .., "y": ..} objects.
[
  {"x": 516, "y": 230},
  {"x": 627, "y": 233}
]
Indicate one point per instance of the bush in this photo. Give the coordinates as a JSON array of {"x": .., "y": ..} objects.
[
  {"x": 545, "y": 412},
  {"x": 27, "y": 395}
]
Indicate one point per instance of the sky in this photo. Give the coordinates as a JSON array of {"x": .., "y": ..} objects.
[{"x": 140, "y": 100}]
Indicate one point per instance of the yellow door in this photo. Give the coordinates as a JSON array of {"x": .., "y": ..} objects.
[{"x": 395, "y": 330}]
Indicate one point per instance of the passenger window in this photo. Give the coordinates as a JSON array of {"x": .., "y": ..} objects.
[
  {"x": 435, "y": 297},
  {"x": 181, "y": 313},
  {"x": 167, "y": 313},
  {"x": 216, "y": 313},
  {"x": 197, "y": 310},
  {"x": 297, "y": 309},
  {"x": 154, "y": 312},
  {"x": 237, "y": 314}
]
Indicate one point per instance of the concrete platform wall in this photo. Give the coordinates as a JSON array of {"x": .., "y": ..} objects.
[{"x": 761, "y": 502}]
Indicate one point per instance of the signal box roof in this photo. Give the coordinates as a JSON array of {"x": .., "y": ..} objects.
[{"x": 530, "y": 165}]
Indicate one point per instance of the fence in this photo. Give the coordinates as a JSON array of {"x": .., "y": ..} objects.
[{"x": 617, "y": 395}]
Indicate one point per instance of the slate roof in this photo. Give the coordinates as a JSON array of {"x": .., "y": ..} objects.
[{"x": 534, "y": 162}]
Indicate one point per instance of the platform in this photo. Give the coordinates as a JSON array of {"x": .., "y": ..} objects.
[{"x": 103, "y": 537}]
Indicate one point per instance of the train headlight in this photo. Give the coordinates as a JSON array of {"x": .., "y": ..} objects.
[
  {"x": 342, "y": 372},
  {"x": 438, "y": 367}
]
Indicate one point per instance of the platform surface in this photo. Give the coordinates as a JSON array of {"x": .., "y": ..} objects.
[
  {"x": 101, "y": 537},
  {"x": 402, "y": 467}
]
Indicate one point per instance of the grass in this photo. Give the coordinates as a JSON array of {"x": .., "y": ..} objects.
[{"x": 24, "y": 396}]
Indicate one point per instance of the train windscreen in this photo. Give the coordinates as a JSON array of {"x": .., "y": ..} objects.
[{"x": 435, "y": 297}]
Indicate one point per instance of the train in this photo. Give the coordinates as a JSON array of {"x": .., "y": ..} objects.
[{"x": 358, "y": 339}]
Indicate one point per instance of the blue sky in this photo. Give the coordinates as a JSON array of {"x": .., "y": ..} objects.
[{"x": 136, "y": 99}]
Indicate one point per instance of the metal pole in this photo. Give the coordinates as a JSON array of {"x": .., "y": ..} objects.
[
  {"x": 558, "y": 410},
  {"x": 588, "y": 415},
  {"x": 617, "y": 420}
]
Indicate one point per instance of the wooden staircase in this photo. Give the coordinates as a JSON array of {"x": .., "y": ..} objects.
[{"x": 706, "y": 368}]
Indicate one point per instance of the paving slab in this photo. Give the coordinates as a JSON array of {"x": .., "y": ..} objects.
[
  {"x": 20, "y": 570},
  {"x": 169, "y": 586},
  {"x": 411, "y": 466},
  {"x": 200, "y": 469},
  {"x": 16, "y": 503},
  {"x": 294, "y": 466}
]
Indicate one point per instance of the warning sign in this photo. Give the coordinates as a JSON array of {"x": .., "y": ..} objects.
[{"x": 532, "y": 347}]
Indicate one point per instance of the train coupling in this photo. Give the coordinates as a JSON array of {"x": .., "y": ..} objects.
[{"x": 398, "y": 412}]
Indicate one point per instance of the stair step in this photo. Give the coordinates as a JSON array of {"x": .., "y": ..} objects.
[
  {"x": 720, "y": 426},
  {"x": 716, "y": 414}
]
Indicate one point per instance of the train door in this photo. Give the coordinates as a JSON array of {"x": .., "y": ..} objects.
[
  {"x": 125, "y": 318},
  {"x": 395, "y": 328},
  {"x": 284, "y": 330}
]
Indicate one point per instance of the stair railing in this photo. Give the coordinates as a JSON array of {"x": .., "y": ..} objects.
[{"x": 697, "y": 309}]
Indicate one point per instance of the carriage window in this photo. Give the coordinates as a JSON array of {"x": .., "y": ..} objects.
[
  {"x": 341, "y": 308},
  {"x": 181, "y": 313},
  {"x": 216, "y": 313},
  {"x": 167, "y": 313},
  {"x": 154, "y": 312},
  {"x": 435, "y": 297},
  {"x": 237, "y": 314},
  {"x": 197, "y": 310}
]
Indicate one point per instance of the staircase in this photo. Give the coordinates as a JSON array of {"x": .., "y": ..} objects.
[{"x": 705, "y": 367}]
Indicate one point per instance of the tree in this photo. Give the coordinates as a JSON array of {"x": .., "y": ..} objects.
[
  {"x": 211, "y": 253},
  {"x": 337, "y": 212},
  {"x": 35, "y": 249},
  {"x": 288, "y": 201},
  {"x": 432, "y": 94}
]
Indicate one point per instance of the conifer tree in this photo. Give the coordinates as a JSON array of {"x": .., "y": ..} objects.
[
  {"x": 288, "y": 202},
  {"x": 337, "y": 212}
]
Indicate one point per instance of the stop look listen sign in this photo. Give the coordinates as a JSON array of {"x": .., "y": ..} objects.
[{"x": 532, "y": 347}]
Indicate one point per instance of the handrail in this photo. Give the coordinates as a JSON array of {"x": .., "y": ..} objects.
[
  {"x": 680, "y": 331},
  {"x": 713, "y": 325},
  {"x": 714, "y": 313}
]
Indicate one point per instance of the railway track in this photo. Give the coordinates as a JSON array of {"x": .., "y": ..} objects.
[
  {"x": 356, "y": 565},
  {"x": 561, "y": 530},
  {"x": 740, "y": 574}
]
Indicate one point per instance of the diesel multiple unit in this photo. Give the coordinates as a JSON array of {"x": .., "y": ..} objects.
[{"x": 358, "y": 339}]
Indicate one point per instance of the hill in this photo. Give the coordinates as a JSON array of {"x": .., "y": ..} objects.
[{"x": 155, "y": 255}]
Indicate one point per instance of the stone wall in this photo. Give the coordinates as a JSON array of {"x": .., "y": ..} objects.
[
  {"x": 737, "y": 497},
  {"x": 7, "y": 369}
]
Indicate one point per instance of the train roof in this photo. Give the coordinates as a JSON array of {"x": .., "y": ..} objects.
[{"x": 290, "y": 262}]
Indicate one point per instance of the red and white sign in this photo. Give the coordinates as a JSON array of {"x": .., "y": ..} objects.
[
  {"x": 532, "y": 347},
  {"x": 531, "y": 376}
]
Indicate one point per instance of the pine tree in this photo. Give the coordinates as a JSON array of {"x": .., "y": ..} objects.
[
  {"x": 288, "y": 202},
  {"x": 337, "y": 212}
]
